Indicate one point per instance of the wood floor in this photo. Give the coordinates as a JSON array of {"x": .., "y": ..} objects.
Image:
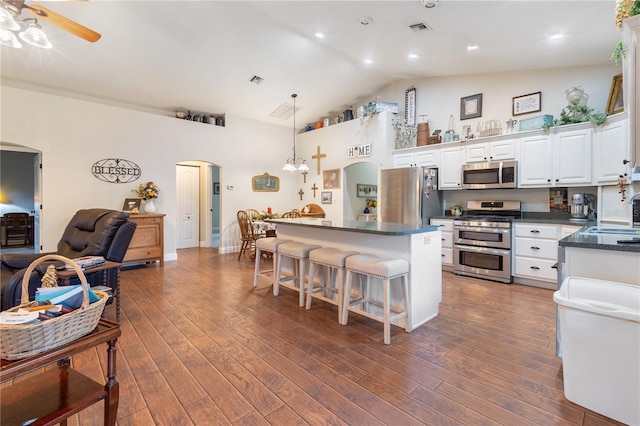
[{"x": 200, "y": 346}]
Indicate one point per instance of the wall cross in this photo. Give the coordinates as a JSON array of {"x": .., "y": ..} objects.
[
  {"x": 314, "y": 188},
  {"x": 304, "y": 176},
  {"x": 318, "y": 157},
  {"x": 301, "y": 193}
]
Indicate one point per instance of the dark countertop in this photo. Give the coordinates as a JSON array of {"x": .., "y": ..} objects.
[
  {"x": 550, "y": 218},
  {"x": 371, "y": 227},
  {"x": 600, "y": 242}
]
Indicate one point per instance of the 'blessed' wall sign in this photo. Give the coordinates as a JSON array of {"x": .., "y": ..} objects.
[{"x": 116, "y": 170}]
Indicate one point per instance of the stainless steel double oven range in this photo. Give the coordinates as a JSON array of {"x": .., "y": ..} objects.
[{"x": 482, "y": 240}]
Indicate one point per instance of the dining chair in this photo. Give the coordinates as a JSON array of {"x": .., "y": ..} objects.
[
  {"x": 253, "y": 214},
  {"x": 291, "y": 214},
  {"x": 16, "y": 228},
  {"x": 248, "y": 237}
]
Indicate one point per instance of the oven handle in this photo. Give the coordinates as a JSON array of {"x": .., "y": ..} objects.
[
  {"x": 500, "y": 174},
  {"x": 482, "y": 229},
  {"x": 486, "y": 250}
]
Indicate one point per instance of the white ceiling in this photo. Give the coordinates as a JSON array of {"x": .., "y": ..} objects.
[{"x": 200, "y": 55}]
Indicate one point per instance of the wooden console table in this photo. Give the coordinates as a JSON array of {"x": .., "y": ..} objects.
[
  {"x": 54, "y": 395},
  {"x": 147, "y": 244}
]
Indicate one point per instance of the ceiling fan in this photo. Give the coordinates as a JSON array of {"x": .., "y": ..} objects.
[{"x": 10, "y": 11}]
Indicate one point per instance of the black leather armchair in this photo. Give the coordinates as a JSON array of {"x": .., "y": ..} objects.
[{"x": 91, "y": 232}]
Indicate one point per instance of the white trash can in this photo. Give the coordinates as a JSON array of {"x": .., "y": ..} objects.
[{"x": 600, "y": 341}]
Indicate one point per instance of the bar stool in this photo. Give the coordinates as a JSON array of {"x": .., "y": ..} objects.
[
  {"x": 367, "y": 266},
  {"x": 331, "y": 261},
  {"x": 299, "y": 255},
  {"x": 266, "y": 245}
]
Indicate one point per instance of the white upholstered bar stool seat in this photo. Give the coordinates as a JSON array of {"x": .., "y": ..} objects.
[
  {"x": 266, "y": 245},
  {"x": 331, "y": 262},
  {"x": 367, "y": 266},
  {"x": 298, "y": 254}
]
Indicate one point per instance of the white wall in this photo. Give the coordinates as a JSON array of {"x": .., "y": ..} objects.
[
  {"x": 439, "y": 97},
  {"x": 73, "y": 134}
]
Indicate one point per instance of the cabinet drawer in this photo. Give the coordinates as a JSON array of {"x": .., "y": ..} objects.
[
  {"x": 447, "y": 224},
  {"x": 536, "y": 231},
  {"x": 447, "y": 240},
  {"x": 143, "y": 253},
  {"x": 447, "y": 256},
  {"x": 537, "y": 247},
  {"x": 538, "y": 269}
]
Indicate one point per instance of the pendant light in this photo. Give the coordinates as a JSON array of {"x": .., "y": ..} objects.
[{"x": 292, "y": 163}]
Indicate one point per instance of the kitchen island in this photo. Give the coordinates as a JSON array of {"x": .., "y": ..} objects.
[
  {"x": 420, "y": 245},
  {"x": 600, "y": 257}
]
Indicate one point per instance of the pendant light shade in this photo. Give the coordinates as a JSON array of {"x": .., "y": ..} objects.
[
  {"x": 7, "y": 21},
  {"x": 291, "y": 164},
  {"x": 34, "y": 35},
  {"x": 7, "y": 38}
]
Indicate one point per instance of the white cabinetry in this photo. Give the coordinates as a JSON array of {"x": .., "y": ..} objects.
[
  {"x": 492, "y": 151},
  {"x": 419, "y": 158},
  {"x": 536, "y": 252},
  {"x": 611, "y": 150},
  {"x": 450, "y": 168},
  {"x": 631, "y": 81},
  {"x": 563, "y": 159},
  {"x": 447, "y": 240}
]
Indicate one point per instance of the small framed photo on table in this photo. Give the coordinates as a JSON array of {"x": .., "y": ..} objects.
[
  {"x": 526, "y": 104},
  {"x": 131, "y": 205},
  {"x": 471, "y": 107}
]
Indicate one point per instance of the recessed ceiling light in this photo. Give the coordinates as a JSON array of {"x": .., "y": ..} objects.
[
  {"x": 413, "y": 56},
  {"x": 368, "y": 61},
  {"x": 319, "y": 34},
  {"x": 472, "y": 47},
  {"x": 556, "y": 36},
  {"x": 366, "y": 20}
]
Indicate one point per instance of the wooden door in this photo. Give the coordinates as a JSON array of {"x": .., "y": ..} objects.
[{"x": 188, "y": 187}]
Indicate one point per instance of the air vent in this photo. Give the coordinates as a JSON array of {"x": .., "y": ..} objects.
[
  {"x": 421, "y": 26},
  {"x": 284, "y": 111},
  {"x": 256, "y": 79}
]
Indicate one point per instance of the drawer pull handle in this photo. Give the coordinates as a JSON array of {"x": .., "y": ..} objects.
[
  {"x": 535, "y": 231},
  {"x": 535, "y": 268},
  {"x": 535, "y": 248},
  {"x": 443, "y": 255},
  {"x": 555, "y": 266}
]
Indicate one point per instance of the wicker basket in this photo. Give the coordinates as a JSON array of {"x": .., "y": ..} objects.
[{"x": 23, "y": 340}]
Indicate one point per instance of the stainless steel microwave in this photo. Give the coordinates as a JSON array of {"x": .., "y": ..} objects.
[{"x": 489, "y": 175}]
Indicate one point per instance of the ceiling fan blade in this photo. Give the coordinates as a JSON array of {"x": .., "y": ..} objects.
[{"x": 64, "y": 23}]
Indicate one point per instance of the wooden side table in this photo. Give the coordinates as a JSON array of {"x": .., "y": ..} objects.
[
  {"x": 147, "y": 244},
  {"x": 53, "y": 396}
]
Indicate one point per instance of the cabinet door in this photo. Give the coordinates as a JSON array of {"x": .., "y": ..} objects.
[
  {"x": 450, "y": 168},
  {"x": 535, "y": 165},
  {"x": 427, "y": 158},
  {"x": 502, "y": 150},
  {"x": 403, "y": 160},
  {"x": 477, "y": 153},
  {"x": 572, "y": 158},
  {"x": 610, "y": 149}
]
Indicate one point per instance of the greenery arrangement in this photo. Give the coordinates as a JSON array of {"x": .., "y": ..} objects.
[
  {"x": 405, "y": 133},
  {"x": 371, "y": 203},
  {"x": 147, "y": 191},
  {"x": 624, "y": 9}
]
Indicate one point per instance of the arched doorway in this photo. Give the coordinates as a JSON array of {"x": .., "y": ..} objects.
[{"x": 362, "y": 173}]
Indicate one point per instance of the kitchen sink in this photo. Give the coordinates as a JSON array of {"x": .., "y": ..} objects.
[{"x": 599, "y": 230}]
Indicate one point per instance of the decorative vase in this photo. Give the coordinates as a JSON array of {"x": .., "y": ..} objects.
[{"x": 150, "y": 206}]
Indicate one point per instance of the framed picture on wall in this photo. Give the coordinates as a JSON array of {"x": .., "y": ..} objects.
[
  {"x": 331, "y": 179},
  {"x": 366, "y": 191},
  {"x": 131, "y": 205},
  {"x": 325, "y": 197},
  {"x": 526, "y": 104},
  {"x": 471, "y": 107}
]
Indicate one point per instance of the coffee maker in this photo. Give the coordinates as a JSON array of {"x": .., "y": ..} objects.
[{"x": 581, "y": 207}]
